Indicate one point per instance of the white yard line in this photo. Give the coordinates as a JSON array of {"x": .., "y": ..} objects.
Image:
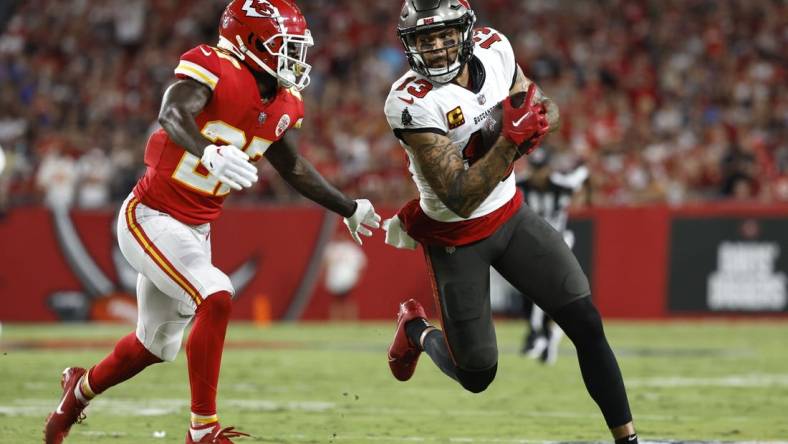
[
  {"x": 100, "y": 433},
  {"x": 745, "y": 380}
]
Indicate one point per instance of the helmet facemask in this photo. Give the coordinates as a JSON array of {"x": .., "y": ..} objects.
[
  {"x": 292, "y": 69},
  {"x": 289, "y": 51}
]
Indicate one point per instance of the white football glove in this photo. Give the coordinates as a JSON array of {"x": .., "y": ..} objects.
[
  {"x": 396, "y": 236},
  {"x": 230, "y": 165},
  {"x": 363, "y": 217}
]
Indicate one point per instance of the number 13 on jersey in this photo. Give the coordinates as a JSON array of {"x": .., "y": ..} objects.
[{"x": 486, "y": 36}]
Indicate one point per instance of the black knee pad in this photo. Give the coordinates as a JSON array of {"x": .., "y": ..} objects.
[
  {"x": 476, "y": 381},
  {"x": 581, "y": 322}
]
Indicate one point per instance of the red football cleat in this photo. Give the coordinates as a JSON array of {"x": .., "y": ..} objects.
[
  {"x": 68, "y": 412},
  {"x": 404, "y": 355},
  {"x": 218, "y": 435}
]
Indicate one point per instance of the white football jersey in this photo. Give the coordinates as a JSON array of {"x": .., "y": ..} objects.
[{"x": 415, "y": 104}]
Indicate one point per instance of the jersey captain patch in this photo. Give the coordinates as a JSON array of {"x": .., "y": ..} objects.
[{"x": 456, "y": 118}]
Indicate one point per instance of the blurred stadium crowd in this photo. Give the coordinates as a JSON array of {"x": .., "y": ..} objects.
[{"x": 666, "y": 100}]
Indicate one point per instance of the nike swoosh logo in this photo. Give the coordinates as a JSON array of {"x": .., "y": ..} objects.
[
  {"x": 517, "y": 123},
  {"x": 408, "y": 101},
  {"x": 206, "y": 52}
]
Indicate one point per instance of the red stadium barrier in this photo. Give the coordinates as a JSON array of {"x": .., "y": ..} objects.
[
  {"x": 649, "y": 262},
  {"x": 630, "y": 248},
  {"x": 46, "y": 275}
]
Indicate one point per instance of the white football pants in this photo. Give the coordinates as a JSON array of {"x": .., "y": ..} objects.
[{"x": 175, "y": 273}]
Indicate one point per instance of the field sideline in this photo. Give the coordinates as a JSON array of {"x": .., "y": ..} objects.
[{"x": 329, "y": 383}]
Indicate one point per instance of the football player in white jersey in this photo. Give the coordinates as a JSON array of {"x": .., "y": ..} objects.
[{"x": 469, "y": 215}]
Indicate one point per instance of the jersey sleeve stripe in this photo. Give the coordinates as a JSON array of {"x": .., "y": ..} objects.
[
  {"x": 198, "y": 73},
  {"x": 399, "y": 132},
  {"x": 156, "y": 255}
]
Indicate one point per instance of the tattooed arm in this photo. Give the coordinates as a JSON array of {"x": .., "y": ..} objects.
[
  {"x": 522, "y": 83},
  {"x": 302, "y": 176},
  {"x": 441, "y": 163}
]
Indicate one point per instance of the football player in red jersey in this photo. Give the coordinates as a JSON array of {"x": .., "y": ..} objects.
[{"x": 232, "y": 104}]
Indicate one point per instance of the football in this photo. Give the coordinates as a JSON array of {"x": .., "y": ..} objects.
[{"x": 494, "y": 124}]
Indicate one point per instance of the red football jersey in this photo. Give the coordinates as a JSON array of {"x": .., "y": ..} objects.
[{"x": 175, "y": 181}]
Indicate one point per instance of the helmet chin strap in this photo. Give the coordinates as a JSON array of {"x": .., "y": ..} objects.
[
  {"x": 287, "y": 76},
  {"x": 445, "y": 75},
  {"x": 229, "y": 46}
]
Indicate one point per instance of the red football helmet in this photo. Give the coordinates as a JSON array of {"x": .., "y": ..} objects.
[{"x": 272, "y": 34}]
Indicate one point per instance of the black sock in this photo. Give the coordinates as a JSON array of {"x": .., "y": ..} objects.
[
  {"x": 414, "y": 328},
  {"x": 435, "y": 346},
  {"x": 629, "y": 439}
]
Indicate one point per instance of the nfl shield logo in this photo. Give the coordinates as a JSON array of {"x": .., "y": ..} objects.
[
  {"x": 482, "y": 99},
  {"x": 261, "y": 119}
]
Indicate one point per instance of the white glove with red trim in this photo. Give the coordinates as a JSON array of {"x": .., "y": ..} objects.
[
  {"x": 396, "y": 236},
  {"x": 230, "y": 165}
]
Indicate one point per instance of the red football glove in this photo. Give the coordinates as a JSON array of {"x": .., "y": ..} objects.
[
  {"x": 526, "y": 125},
  {"x": 531, "y": 144}
]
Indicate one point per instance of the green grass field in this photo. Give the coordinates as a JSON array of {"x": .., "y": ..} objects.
[{"x": 330, "y": 383}]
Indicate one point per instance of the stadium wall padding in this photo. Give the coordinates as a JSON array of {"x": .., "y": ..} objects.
[{"x": 645, "y": 263}]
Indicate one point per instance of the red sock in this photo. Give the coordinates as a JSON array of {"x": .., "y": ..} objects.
[
  {"x": 127, "y": 359},
  {"x": 204, "y": 351}
]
